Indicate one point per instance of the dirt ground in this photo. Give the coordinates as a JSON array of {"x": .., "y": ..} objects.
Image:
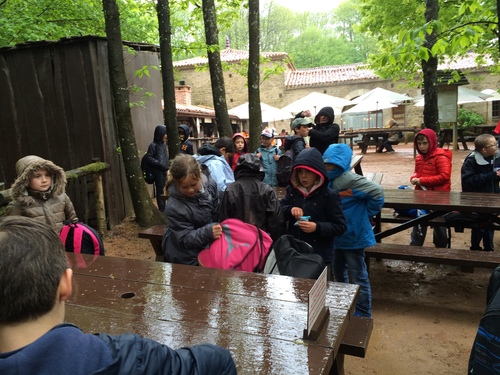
[{"x": 425, "y": 315}]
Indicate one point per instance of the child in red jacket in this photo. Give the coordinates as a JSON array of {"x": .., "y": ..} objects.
[{"x": 432, "y": 172}]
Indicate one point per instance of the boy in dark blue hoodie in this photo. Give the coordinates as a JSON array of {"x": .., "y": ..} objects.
[
  {"x": 36, "y": 283},
  {"x": 185, "y": 146},
  {"x": 309, "y": 195}
]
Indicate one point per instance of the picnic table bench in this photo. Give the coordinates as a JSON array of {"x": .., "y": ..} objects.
[
  {"x": 455, "y": 257},
  {"x": 155, "y": 234}
]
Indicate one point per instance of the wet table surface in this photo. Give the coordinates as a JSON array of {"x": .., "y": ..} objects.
[
  {"x": 259, "y": 318},
  {"x": 439, "y": 202}
]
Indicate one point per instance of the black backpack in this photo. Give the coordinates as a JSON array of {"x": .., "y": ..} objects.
[
  {"x": 147, "y": 172},
  {"x": 293, "y": 257},
  {"x": 80, "y": 238},
  {"x": 284, "y": 168}
]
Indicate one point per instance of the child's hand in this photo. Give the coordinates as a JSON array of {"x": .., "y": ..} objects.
[
  {"x": 307, "y": 226},
  {"x": 259, "y": 155},
  {"x": 276, "y": 157},
  {"x": 415, "y": 181},
  {"x": 297, "y": 212},
  {"x": 217, "y": 231}
]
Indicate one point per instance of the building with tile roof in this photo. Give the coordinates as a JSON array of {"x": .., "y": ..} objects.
[{"x": 345, "y": 81}]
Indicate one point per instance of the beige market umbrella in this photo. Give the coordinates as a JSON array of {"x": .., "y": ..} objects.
[
  {"x": 314, "y": 101},
  {"x": 376, "y": 100},
  {"x": 269, "y": 113}
]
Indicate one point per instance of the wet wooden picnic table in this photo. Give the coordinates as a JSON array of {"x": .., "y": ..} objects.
[
  {"x": 260, "y": 318},
  {"x": 437, "y": 203}
]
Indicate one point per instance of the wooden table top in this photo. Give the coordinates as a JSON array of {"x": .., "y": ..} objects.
[
  {"x": 442, "y": 200},
  {"x": 259, "y": 318}
]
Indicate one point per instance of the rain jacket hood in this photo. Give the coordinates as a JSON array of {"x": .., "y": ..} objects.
[
  {"x": 327, "y": 111},
  {"x": 432, "y": 138},
  {"x": 340, "y": 155},
  {"x": 245, "y": 148},
  {"x": 309, "y": 158},
  {"x": 159, "y": 133},
  {"x": 185, "y": 129},
  {"x": 25, "y": 167}
]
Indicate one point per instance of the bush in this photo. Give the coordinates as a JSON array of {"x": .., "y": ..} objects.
[{"x": 468, "y": 119}]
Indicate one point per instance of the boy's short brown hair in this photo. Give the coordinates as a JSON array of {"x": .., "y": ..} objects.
[
  {"x": 32, "y": 262},
  {"x": 482, "y": 140}
]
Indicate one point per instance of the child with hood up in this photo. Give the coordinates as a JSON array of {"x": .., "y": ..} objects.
[
  {"x": 361, "y": 200},
  {"x": 308, "y": 194},
  {"x": 432, "y": 172},
  {"x": 157, "y": 158},
  {"x": 251, "y": 200},
  {"x": 185, "y": 146},
  {"x": 39, "y": 193},
  {"x": 240, "y": 148},
  {"x": 326, "y": 131}
]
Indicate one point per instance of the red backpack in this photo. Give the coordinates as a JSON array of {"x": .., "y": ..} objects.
[{"x": 242, "y": 247}]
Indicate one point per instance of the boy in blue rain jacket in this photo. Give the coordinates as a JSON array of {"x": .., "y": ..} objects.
[{"x": 361, "y": 200}]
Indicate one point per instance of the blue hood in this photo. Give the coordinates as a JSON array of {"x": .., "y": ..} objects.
[{"x": 340, "y": 155}]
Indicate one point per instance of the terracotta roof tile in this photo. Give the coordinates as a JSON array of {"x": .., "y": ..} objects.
[
  {"x": 229, "y": 55},
  {"x": 328, "y": 74},
  {"x": 191, "y": 110}
]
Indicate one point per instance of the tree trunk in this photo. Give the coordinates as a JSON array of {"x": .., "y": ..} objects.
[
  {"x": 254, "y": 110},
  {"x": 429, "y": 69},
  {"x": 215, "y": 66},
  {"x": 167, "y": 74},
  {"x": 145, "y": 212}
]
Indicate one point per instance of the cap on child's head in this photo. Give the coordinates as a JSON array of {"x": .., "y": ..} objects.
[
  {"x": 298, "y": 122},
  {"x": 269, "y": 133}
]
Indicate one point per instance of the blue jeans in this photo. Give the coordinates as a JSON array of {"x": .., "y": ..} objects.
[{"x": 353, "y": 262}]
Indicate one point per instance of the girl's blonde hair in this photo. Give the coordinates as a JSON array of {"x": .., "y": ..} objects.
[{"x": 182, "y": 166}]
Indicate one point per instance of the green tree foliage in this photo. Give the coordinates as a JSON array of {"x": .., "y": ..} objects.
[
  {"x": 311, "y": 39},
  {"x": 400, "y": 28},
  {"x": 22, "y": 21}
]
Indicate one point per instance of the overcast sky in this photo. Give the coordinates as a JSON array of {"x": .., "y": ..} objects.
[{"x": 310, "y": 5}]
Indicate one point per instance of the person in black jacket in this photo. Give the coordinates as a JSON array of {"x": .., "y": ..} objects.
[
  {"x": 36, "y": 283},
  {"x": 485, "y": 353},
  {"x": 481, "y": 173},
  {"x": 326, "y": 131},
  {"x": 309, "y": 195},
  {"x": 251, "y": 200},
  {"x": 157, "y": 158}
]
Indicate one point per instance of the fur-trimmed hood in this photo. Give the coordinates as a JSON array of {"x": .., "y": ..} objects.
[{"x": 25, "y": 167}]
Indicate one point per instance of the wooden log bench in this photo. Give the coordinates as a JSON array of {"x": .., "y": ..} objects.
[
  {"x": 454, "y": 257},
  {"x": 155, "y": 235}
]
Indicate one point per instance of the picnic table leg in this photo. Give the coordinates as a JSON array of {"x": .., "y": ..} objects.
[{"x": 338, "y": 365}]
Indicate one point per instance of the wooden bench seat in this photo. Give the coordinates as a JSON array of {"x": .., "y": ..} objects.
[
  {"x": 155, "y": 235},
  {"x": 453, "y": 257},
  {"x": 357, "y": 336}
]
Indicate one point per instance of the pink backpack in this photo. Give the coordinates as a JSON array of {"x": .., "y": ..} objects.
[{"x": 242, "y": 247}]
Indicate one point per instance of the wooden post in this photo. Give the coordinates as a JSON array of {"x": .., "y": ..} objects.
[{"x": 99, "y": 204}]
